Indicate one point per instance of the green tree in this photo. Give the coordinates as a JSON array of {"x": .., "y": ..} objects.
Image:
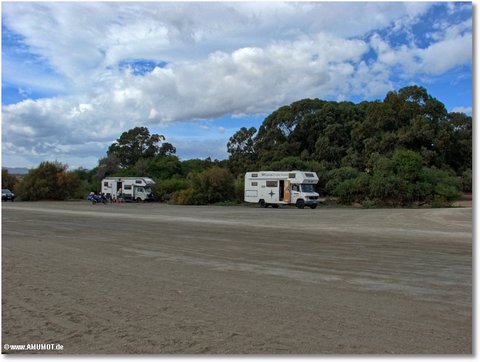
[
  {"x": 242, "y": 152},
  {"x": 159, "y": 167},
  {"x": 213, "y": 185},
  {"x": 458, "y": 146},
  {"x": 49, "y": 181},
  {"x": 273, "y": 141},
  {"x": 88, "y": 180},
  {"x": 195, "y": 165},
  {"x": 402, "y": 180},
  {"x": 137, "y": 143},
  {"x": 409, "y": 119},
  {"x": 8, "y": 181},
  {"x": 165, "y": 188},
  {"x": 107, "y": 166}
]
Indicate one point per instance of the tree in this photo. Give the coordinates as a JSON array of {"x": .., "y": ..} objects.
[
  {"x": 195, "y": 165},
  {"x": 159, "y": 167},
  {"x": 137, "y": 143},
  {"x": 348, "y": 184},
  {"x": 8, "y": 181},
  {"x": 458, "y": 154},
  {"x": 274, "y": 140},
  {"x": 213, "y": 185},
  {"x": 409, "y": 119},
  {"x": 241, "y": 148},
  {"x": 108, "y": 166},
  {"x": 49, "y": 181},
  {"x": 403, "y": 180}
]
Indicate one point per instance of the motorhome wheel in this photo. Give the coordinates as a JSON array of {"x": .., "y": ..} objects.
[{"x": 300, "y": 204}]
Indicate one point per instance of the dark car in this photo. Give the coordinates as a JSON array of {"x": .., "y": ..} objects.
[{"x": 7, "y": 195}]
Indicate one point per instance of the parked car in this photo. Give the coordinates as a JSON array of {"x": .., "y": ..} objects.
[{"x": 7, "y": 195}]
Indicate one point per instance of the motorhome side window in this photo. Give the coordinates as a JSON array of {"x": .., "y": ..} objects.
[
  {"x": 291, "y": 175},
  {"x": 254, "y": 175},
  {"x": 255, "y": 183},
  {"x": 127, "y": 187},
  {"x": 138, "y": 181},
  {"x": 308, "y": 174},
  {"x": 105, "y": 184},
  {"x": 271, "y": 183}
]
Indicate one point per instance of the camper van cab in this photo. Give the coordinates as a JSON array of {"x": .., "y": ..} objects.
[
  {"x": 128, "y": 188},
  {"x": 282, "y": 188}
]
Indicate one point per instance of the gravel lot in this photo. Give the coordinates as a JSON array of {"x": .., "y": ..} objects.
[{"x": 162, "y": 279}]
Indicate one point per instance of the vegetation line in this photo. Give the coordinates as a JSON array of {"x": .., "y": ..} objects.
[{"x": 406, "y": 150}]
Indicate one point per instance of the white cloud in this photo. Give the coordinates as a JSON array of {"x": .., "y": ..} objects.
[
  {"x": 466, "y": 110},
  {"x": 434, "y": 59},
  {"x": 215, "y": 148},
  {"x": 249, "y": 80},
  {"x": 78, "y": 46},
  {"x": 451, "y": 46}
]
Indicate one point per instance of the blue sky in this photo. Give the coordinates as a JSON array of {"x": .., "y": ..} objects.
[{"x": 75, "y": 75}]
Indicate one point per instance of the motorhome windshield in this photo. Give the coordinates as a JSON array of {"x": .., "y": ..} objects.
[{"x": 308, "y": 188}]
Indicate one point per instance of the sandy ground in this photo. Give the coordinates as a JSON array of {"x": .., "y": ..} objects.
[{"x": 162, "y": 279}]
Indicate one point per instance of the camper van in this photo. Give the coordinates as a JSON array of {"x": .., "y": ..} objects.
[
  {"x": 128, "y": 188},
  {"x": 282, "y": 188}
]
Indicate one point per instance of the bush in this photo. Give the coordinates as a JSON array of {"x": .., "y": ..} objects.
[
  {"x": 431, "y": 186},
  {"x": 385, "y": 189},
  {"x": 407, "y": 164},
  {"x": 183, "y": 197},
  {"x": 467, "y": 180},
  {"x": 164, "y": 189},
  {"x": 8, "y": 181},
  {"x": 443, "y": 186},
  {"x": 337, "y": 176},
  {"x": 396, "y": 180},
  {"x": 353, "y": 190},
  {"x": 50, "y": 181},
  {"x": 213, "y": 185},
  {"x": 239, "y": 188},
  {"x": 348, "y": 184},
  {"x": 368, "y": 204},
  {"x": 399, "y": 180}
]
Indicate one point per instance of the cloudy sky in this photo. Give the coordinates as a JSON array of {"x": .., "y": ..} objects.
[{"x": 75, "y": 75}]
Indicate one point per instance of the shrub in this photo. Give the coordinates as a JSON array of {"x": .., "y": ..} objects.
[
  {"x": 50, "y": 181},
  {"x": 385, "y": 189},
  {"x": 402, "y": 180},
  {"x": 443, "y": 186},
  {"x": 183, "y": 197},
  {"x": 407, "y": 164},
  {"x": 239, "y": 188},
  {"x": 467, "y": 180},
  {"x": 348, "y": 184},
  {"x": 368, "y": 204},
  {"x": 8, "y": 181},
  {"x": 164, "y": 189},
  {"x": 336, "y": 176},
  {"x": 210, "y": 186},
  {"x": 213, "y": 185}
]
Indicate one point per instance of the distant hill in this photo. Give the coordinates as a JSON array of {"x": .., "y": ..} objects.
[{"x": 17, "y": 170}]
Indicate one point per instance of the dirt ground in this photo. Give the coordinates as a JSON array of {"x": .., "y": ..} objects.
[{"x": 163, "y": 279}]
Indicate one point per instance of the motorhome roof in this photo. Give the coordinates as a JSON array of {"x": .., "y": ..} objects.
[{"x": 127, "y": 178}]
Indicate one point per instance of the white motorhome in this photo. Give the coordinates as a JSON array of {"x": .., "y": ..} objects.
[
  {"x": 128, "y": 188},
  {"x": 281, "y": 188}
]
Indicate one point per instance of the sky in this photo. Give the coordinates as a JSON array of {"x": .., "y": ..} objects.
[{"x": 76, "y": 75}]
